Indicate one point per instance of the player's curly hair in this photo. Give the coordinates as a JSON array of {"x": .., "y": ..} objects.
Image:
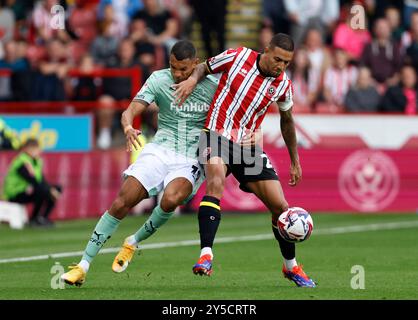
[{"x": 282, "y": 41}]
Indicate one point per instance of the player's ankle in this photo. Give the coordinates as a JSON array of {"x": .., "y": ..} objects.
[
  {"x": 85, "y": 265},
  {"x": 131, "y": 240},
  {"x": 206, "y": 251}
]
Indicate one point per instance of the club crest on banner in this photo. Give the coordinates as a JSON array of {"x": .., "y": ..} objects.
[{"x": 368, "y": 180}]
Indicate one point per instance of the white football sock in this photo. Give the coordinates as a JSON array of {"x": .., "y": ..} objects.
[
  {"x": 290, "y": 264},
  {"x": 85, "y": 265},
  {"x": 206, "y": 250},
  {"x": 131, "y": 240}
]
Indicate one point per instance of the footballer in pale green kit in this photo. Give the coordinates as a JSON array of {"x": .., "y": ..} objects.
[
  {"x": 178, "y": 126},
  {"x": 168, "y": 162}
]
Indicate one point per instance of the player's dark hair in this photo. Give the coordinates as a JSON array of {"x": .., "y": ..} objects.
[
  {"x": 31, "y": 142},
  {"x": 183, "y": 50},
  {"x": 282, "y": 41}
]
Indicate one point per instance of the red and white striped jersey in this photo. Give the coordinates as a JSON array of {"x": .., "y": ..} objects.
[
  {"x": 339, "y": 81},
  {"x": 244, "y": 93}
]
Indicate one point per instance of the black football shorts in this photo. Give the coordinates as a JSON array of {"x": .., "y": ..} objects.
[{"x": 247, "y": 164}]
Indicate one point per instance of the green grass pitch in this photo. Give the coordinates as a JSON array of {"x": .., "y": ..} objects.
[{"x": 248, "y": 268}]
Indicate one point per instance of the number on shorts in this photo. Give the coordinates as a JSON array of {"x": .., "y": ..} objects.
[
  {"x": 268, "y": 163},
  {"x": 195, "y": 172}
]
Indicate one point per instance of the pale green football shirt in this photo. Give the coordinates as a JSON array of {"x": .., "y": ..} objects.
[{"x": 179, "y": 127}]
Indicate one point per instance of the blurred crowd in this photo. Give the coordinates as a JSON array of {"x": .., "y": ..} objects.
[
  {"x": 349, "y": 58},
  {"x": 352, "y": 56}
]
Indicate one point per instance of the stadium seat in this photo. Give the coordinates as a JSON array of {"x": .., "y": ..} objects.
[{"x": 13, "y": 213}]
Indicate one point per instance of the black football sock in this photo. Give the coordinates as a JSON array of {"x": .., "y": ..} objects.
[
  {"x": 288, "y": 249},
  {"x": 209, "y": 218}
]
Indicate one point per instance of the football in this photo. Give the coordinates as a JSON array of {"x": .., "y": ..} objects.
[{"x": 295, "y": 225}]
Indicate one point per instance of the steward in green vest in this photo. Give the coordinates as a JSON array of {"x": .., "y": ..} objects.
[{"x": 25, "y": 183}]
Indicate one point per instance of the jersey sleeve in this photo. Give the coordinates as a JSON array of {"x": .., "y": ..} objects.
[
  {"x": 222, "y": 62},
  {"x": 285, "y": 101},
  {"x": 148, "y": 90}
]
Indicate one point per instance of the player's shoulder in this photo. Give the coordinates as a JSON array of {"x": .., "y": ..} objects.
[
  {"x": 161, "y": 75},
  {"x": 210, "y": 80},
  {"x": 245, "y": 50},
  {"x": 286, "y": 77}
]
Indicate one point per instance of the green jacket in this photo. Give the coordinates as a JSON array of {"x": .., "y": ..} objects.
[{"x": 14, "y": 183}]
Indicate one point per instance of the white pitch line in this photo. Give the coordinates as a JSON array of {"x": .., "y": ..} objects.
[{"x": 327, "y": 231}]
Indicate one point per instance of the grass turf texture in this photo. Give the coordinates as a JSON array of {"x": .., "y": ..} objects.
[{"x": 242, "y": 270}]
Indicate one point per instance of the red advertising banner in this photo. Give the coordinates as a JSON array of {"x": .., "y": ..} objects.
[
  {"x": 90, "y": 180},
  {"x": 362, "y": 180},
  {"x": 340, "y": 180}
]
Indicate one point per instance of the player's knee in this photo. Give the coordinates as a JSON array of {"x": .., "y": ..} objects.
[
  {"x": 215, "y": 186},
  {"x": 119, "y": 208},
  {"x": 169, "y": 202}
]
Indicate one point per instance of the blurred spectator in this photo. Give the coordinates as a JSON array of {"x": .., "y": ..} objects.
[
  {"x": 303, "y": 80},
  {"x": 264, "y": 38},
  {"x": 41, "y": 22},
  {"x": 338, "y": 79},
  {"x": 275, "y": 16},
  {"x": 319, "y": 58},
  {"x": 363, "y": 97},
  {"x": 409, "y": 7},
  {"x": 21, "y": 80},
  {"x": 183, "y": 12},
  {"x": 49, "y": 85},
  {"x": 15, "y": 62},
  {"x": 159, "y": 26},
  {"x": 86, "y": 88},
  {"x": 393, "y": 16},
  {"x": 114, "y": 89},
  {"x": 82, "y": 22},
  {"x": 412, "y": 52},
  {"x": 123, "y": 11},
  {"x": 351, "y": 40},
  {"x": 308, "y": 14},
  {"x": 402, "y": 97},
  {"x": 7, "y": 23},
  {"x": 409, "y": 35},
  {"x": 26, "y": 183},
  {"x": 21, "y": 9},
  {"x": 104, "y": 47},
  {"x": 144, "y": 50},
  {"x": 211, "y": 15},
  {"x": 382, "y": 55},
  {"x": 318, "y": 53},
  {"x": 375, "y": 9},
  {"x": 114, "y": 26}
]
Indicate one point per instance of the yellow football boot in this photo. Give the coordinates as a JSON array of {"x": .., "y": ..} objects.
[
  {"x": 123, "y": 258},
  {"x": 76, "y": 276}
]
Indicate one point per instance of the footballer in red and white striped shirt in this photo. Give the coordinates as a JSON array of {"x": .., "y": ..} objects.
[
  {"x": 244, "y": 93},
  {"x": 250, "y": 82}
]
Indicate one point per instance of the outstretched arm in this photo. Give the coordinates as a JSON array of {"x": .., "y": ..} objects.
[
  {"x": 134, "y": 109},
  {"x": 287, "y": 126},
  {"x": 185, "y": 88}
]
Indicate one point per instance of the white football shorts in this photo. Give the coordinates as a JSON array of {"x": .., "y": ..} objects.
[{"x": 157, "y": 166}]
